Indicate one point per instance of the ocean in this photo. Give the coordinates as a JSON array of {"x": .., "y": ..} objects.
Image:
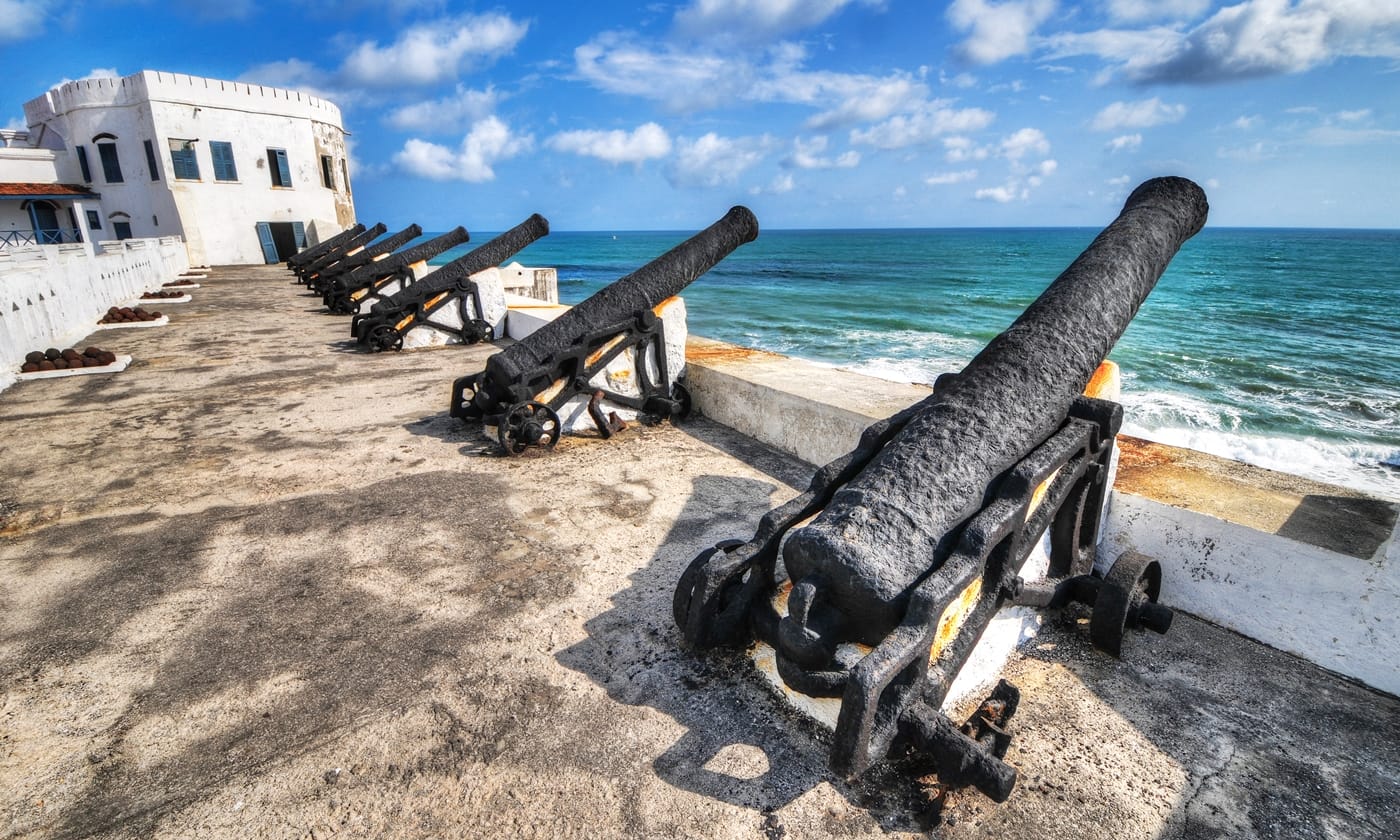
[{"x": 1280, "y": 348}]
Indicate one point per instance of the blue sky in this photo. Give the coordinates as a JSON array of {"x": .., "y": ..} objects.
[{"x": 815, "y": 113}]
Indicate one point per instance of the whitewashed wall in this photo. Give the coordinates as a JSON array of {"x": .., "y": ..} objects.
[{"x": 53, "y": 295}]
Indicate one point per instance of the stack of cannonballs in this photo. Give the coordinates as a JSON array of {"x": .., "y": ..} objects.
[
  {"x": 181, "y": 282},
  {"x": 161, "y": 295},
  {"x": 55, "y": 359},
  {"x": 127, "y": 315}
]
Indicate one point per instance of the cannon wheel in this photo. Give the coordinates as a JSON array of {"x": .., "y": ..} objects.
[
  {"x": 680, "y": 396},
  {"x": 685, "y": 589},
  {"x": 384, "y": 337},
  {"x": 528, "y": 424},
  {"x": 1135, "y": 579},
  {"x": 467, "y": 387}
]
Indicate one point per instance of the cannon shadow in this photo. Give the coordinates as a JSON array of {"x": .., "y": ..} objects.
[{"x": 742, "y": 745}]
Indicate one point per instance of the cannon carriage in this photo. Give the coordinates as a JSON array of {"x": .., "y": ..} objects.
[
  {"x": 366, "y": 256},
  {"x": 875, "y": 584},
  {"x": 360, "y": 288},
  {"x": 448, "y": 300},
  {"x": 308, "y": 272},
  {"x": 563, "y": 367}
]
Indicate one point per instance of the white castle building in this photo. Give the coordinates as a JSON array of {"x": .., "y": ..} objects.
[{"x": 242, "y": 172}]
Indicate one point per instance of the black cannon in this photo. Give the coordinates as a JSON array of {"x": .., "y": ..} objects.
[
  {"x": 390, "y": 319},
  {"x": 920, "y": 534},
  {"x": 318, "y": 250},
  {"x": 347, "y": 292},
  {"x": 368, "y": 255},
  {"x": 562, "y": 358},
  {"x": 308, "y": 273}
]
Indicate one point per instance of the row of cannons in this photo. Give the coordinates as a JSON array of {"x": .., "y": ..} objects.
[{"x": 875, "y": 584}]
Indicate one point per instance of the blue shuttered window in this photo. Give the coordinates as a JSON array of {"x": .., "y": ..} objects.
[
  {"x": 224, "y": 168},
  {"x": 111, "y": 167},
  {"x": 83, "y": 164},
  {"x": 182, "y": 160},
  {"x": 277, "y": 165},
  {"x": 151, "y": 160}
]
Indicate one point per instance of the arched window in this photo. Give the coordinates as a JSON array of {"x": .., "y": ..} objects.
[
  {"x": 107, "y": 150},
  {"x": 121, "y": 224}
]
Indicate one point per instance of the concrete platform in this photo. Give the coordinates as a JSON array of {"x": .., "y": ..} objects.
[{"x": 259, "y": 585}]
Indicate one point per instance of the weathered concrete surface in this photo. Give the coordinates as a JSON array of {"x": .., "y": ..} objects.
[{"x": 259, "y": 586}]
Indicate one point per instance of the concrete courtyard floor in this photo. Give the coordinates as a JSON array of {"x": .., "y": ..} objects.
[{"x": 260, "y": 585}]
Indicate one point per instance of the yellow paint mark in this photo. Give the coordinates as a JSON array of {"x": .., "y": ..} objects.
[
  {"x": 954, "y": 615},
  {"x": 405, "y": 322},
  {"x": 599, "y": 353}
]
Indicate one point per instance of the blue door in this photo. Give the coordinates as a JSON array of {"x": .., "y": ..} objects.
[
  {"x": 299, "y": 234},
  {"x": 269, "y": 248}
]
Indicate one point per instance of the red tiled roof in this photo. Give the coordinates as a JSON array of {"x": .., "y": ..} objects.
[{"x": 45, "y": 189}]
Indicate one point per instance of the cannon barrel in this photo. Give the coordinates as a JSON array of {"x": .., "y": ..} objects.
[
  {"x": 455, "y": 273},
  {"x": 528, "y": 366},
  {"x": 321, "y": 248},
  {"x": 896, "y": 521},
  {"x": 332, "y": 257},
  {"x": 400, "y": 260},
  {"x": 372, "y": 253}
]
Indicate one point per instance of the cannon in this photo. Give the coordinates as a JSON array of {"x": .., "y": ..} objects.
[
  {"x": 353, "y": 245},
  {"x": 525, "y": 386},
  {"x": 347, "y": 292},
  {"x": 426, "y": 302},
  {"x": 316, "y": 251},
  {"x": 368, "y": 255},
  {"x": 875, "y": 584}
]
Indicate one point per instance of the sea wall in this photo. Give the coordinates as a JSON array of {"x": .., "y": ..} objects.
[
  {"x": 53, "y": 295},
  {"x": 1309, "y": 568}
]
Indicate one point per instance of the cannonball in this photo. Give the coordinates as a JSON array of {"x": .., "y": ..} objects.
[
  {"x": 60, "y": 364},
  {"x": 109, "y": 358},
  {"x": 93, "y": 362},
  {"x": 93, "y": 352},
  {"x": 155, "y": 315},
  {"x": 34, "y": 356},
  {"x": 29, "y": 367},
  {"x": 52, "y": 353},
  {"x": 70, "y": 354},
  {"x": 46, "y": 365}
]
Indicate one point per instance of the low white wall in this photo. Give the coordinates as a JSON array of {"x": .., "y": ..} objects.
[
  {"x": 53, "y": 295},
  {"x": 1339, "y": 611}
]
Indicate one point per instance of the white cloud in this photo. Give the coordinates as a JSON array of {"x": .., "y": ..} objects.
[
  {"x": 1001, "y": 195},
  {"x": 1143, "y": 114},
  {"x": 645, "y": 142},
  {"x": 1245, "y": 123},
  {"x": 1140, "y": 10},
  {"x": 1120, "y": 181},
  {"x": 1352, "y": 116},
  {"x": 20, "y": 19},
  {"x": 942, "y": 178},
  {"x": 808, "y": 155},
  {"x": 862, "y": 98},
  {"x": 753, "y": 20},
  {"x": 683, "y": 80},
  {"x": 1331, "y": 135},
  {"x": 783, "y": 183},
  {"x": 1027, "y": 141},
  {"x": 448, "y": 114},
  {"x": 998, "y": 30},
  {"x": 925, "y": 125},
  {"x": 489, "y": 142},
  {"x": 1125, "y": 142},
  {"x": 1271, "y": 37},
  {"x": 959, "y": 149},
  {"x": 711, "y": 160},
  {"x": 433, "y": 52},
  {"x": 298, "y": 75},
  {"x": 1254, "y": 152}
]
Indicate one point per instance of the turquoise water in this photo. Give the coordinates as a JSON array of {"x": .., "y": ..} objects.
[{"x": 1277, "y": 347}]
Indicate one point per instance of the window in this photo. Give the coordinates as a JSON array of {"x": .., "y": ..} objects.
[
  {"x": 277, "y": 163},
  {"x": 121, "y": 224},
  {"x": 94, "y": 220},
  {"x": 111, "y": 167},
  {"x": 344, "y": 175},
  {"x": 224, "y": 168},
  {"x": 327, "y": 172},
  {"x": 182, "y": 160},
  {"x": 83, "y": 164},
  {"x": 151, "y": 160}
]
